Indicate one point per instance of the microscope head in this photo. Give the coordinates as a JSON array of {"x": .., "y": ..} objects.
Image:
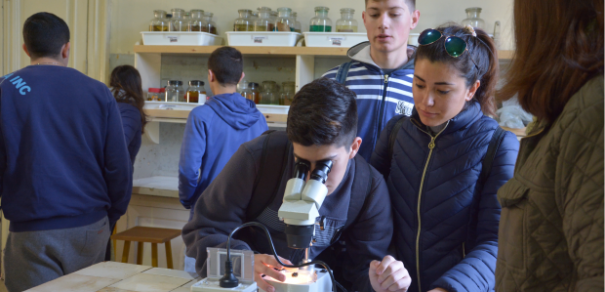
[{"x": 302, "y": 200}]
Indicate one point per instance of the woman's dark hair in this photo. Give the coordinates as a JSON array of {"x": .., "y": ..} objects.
[
  {"x": 480, "y": 51},
  {"x": 323, "y": 112},
  {"x": 126, "y": 86},
  {"x": 559, "y": 47},
  {"x": 44, "y": 34}
]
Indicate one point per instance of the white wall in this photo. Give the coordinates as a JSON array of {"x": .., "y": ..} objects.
[{"x": 130, "y": 17}]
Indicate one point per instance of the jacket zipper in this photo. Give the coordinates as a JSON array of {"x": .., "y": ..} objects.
[
  {"x": 426, "y": 165},
  {"x": 384, "y": 97}
]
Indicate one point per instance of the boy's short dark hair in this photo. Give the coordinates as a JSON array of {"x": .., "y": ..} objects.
[
  {"x": 411, "y": 4},
  {"x": 227, "y": 64},
  {"x": 44, "y": 34},
  {"x": 323, "y": 112}
]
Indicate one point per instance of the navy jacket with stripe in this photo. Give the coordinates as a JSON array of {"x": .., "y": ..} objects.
[{"x": 380, "y": 96}]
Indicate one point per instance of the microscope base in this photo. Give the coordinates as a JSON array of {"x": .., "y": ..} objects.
[{"x": 319, "y": 281}]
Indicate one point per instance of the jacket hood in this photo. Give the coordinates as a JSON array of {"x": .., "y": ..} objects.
[
  {"x": 238, "y": 112},
  {"x": 469, "y": 114},
  {"x": 361, "y": 53}
]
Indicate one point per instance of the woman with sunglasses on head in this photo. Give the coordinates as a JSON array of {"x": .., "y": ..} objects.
[
  {"x": 445, "y": 163},
  {"x": 551, "y": 232}
]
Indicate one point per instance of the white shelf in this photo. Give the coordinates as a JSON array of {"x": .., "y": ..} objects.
[{"x": 161, "y": 186}]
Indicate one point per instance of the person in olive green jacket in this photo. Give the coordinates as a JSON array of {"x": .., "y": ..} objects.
[{"x": 551, "y": 227}]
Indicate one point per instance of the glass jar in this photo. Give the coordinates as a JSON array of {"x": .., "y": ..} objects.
[
  {"x": 253, "y": 16},
  {"x": 282, "y": 23},
  {"x": 268, "y": 94},
  {"x": 273, "y": 19},
  {"x": 473, "y": 19},
  {"x": 174, "y": 91},
  {"x": 346, "y": 23},
  {"x": 178, "y": 22},
  {"x": 159, "y": 22},
  {"x": 196, "y": 20},
  {"x": 263, "y": 23},
  {"x": 321, "y": 22},
  {"x": 196, "y": 93},
  {"x": 243, "y": 23},
  {"x": 210, "y": 24},
  {"x": 242, "y": 86},
  {"x": 287, "y": 94},
  {"x": 254, "y": 90},
  {"x": 297, "y": 24}
]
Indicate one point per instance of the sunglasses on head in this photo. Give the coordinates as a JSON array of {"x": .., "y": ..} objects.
[{"x": 454, "y": 46}]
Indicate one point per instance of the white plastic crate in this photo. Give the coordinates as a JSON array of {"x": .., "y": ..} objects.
[
  {"x": 334, "y": 39},
  {"x": 262, "y": 38},
  {"x": 180, "y": 38}
]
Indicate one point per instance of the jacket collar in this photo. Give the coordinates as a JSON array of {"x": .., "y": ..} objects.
[
  {"x": 469, "y": 114},
  {"x": 361, "y": 53}
]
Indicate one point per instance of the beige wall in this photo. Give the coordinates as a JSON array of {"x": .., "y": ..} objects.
[{"x": 130, "y": 17}]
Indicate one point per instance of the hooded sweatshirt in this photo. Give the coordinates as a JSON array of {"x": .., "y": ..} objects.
[
  {"x": 380, "y": 95},
  {"x": 213, "y": 133}
]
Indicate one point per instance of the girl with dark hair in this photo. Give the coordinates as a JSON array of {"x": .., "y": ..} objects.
[
  {"x": 125, "y": 83},
  {"x": 445, "y": 163},
  {"x": 551, "y": 232}
]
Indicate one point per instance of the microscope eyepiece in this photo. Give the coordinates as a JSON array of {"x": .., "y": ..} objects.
[
  {"x": 301, "y": 168},
  {"x": 321, "y": 171}
]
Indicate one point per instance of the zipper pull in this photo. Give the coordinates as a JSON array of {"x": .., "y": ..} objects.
[
  {"x": 432, "y": 143},
  {"x": 386, "y": 78}
]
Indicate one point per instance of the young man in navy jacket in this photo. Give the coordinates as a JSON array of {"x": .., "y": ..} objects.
[
  {"x": 215, "y": 130},
  {"x": 65, "y": 172},
  {"x": 322, "y": 125},
  {"x": 381, "y": 70}
]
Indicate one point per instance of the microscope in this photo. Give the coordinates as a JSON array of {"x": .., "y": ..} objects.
[{"x": 299, "y": 211}]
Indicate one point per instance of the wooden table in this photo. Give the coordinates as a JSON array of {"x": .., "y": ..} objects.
[{"x": 120, "y": 277}]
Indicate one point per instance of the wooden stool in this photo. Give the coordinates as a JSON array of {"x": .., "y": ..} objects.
[{"x": 147, "y": 234}]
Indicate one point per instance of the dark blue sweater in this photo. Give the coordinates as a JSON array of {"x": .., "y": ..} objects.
[
  {"x": 131, "y": 120},
  {"x": 63, "y": 158},
  {"x": 213, "y": 133}
]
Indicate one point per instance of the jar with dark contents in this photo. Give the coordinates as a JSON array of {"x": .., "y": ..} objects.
[
  {"x": 253, "y": 92},
  {"x": 196, "y": 20},
  {"x": 210, "y": 24},
  {"x": 196, "y": 93}
]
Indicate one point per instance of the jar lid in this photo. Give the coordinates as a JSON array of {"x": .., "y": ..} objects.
[
  {"x": 322, "y": 8},
  {"x": 154, "y": 90},
  {"x": 175, "y": 82},
  {"x": 253, "y": 84},
  {"x": 284, "y": 9},
  {"x": 196, "y": 83},
  {"x": 347, "y": 10}
]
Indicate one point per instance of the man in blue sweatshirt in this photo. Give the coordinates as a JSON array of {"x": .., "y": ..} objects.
[
  {"x": 65, "y": 173},
  {"x": 322, "y": 125},
  {"x": 381, "y": 70},
  {"x": 215, "y": 130}
]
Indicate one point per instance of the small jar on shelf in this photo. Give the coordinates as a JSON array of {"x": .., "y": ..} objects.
[
  {"x": 174, "y": 91},
  {"x": 347, "y": 22},
  {"x": 263, "y": 23},
  {"x": 268, "y": 94},
  {"x": 178, "y": 22},
  {"x": 196, "y": 20},
  {"x": 321, "y": 22},
  {"x": 273, "y": 19},
  {"x": 210, "y": 24},
  {"x": 297, "y": 24},
  {"x": 473, "y": 18},
  {"x": 159, "y": 22},
  {"x": 243, "y": 22},
  {"x": 287, "y": 94},
  {"x": 196, "y": 93},
  {"x": 254, "y": 90},
  {"x": 283, "y": 21}
]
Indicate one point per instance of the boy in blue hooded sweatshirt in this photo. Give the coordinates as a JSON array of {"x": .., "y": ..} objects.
[{"x": 215, "y": 130}]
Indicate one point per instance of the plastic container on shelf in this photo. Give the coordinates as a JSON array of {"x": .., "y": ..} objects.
[
  {"x": 178, "y": 22},
  {"x": 180, "y": 38},
  {"x": 196, "y": 20},
  {"x": 321, "y": 22},
  {"x": 263, "y": 22},
  {"x": 347, "y": 22},
  {"x": 159, "y": 22},
  {"x": 196, "y": 93},
  {"x": 211, "y": 25},
  {"x": 174, "y": 91},
  {"x": 473, "y": 19},
  {"x": 156, "y": 94},
  {"x": 333, "y": 39},
  {"x": 243, "y": 22},
  {"x": 262, "y": 38},
  {"x": 283, "y": 21}
]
